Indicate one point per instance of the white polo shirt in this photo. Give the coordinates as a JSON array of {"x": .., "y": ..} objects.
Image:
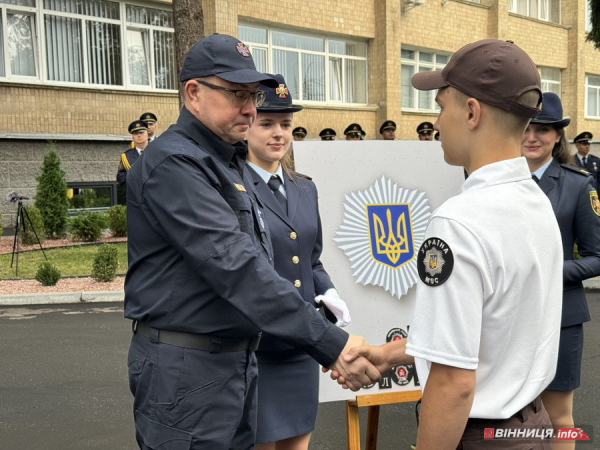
[{"x": 490, "y": 293}]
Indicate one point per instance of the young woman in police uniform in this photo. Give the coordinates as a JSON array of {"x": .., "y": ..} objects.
[
  {"x": 575, "y": 203},
  {"x": 288, "y": 378}
]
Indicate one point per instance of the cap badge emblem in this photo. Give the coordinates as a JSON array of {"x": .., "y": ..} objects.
[
  {"x": 242, "y": 49},
  {"x": 282, "y": 91}
]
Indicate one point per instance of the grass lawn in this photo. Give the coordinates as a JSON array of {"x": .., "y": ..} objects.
[{"x": 70, "y": 261}]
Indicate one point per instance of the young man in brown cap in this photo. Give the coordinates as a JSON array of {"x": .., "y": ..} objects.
[
  {"x": 201, "y": 284},
  {"x": 484, "y": 334}
]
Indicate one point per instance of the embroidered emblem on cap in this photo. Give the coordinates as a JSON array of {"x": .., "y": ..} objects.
[
  {"x": 242, "y": 49},
  {"x": 595, "y": 202},
  {"x": 435, "y": 262},
  {"x": 282, "y": 91}
]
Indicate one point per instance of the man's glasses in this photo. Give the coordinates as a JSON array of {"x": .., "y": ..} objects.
[{"x": 240, "y": 96}]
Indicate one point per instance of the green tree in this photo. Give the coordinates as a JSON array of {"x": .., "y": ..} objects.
[
  {"x": 594, "y": 34},
  {"x": 51, "y": 197}
]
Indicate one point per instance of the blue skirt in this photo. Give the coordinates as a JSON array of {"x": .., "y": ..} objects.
[
  {"x": 288, "y": 394},
  {"x": 570, "y": 350}
]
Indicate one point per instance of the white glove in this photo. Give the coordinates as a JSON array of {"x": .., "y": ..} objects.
[{"x": 338, "y": 307}]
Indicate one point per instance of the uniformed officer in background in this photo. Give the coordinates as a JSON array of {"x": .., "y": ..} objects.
[
  {"x": 151, "y": 121},
  {"x": 387, "y": 130},
  {"x": 327, "y": 134},
  {"x": 139, "y": 134},
  {"x": 582, "y": 158},
  {"x": 299, "y": 133},
  {"x": 425, "y": 131},
  {"x": 201, "y": 285},
  {"x": 354, "y": 132}
]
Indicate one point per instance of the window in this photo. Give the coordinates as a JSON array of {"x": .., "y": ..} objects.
[
  {"x": 588, "y": 15},
  {"x": 18, "y": 51},
  {"x": 414, "y": 61},
  {"x": 548, "y": 10},
  {"x": 87, "y": 42},
  {"x": 316, "y": 69},
  {"x": 92, "y": 195},
  {"x": 592, "y": 96},
  {"x": 550, "y": 79}
]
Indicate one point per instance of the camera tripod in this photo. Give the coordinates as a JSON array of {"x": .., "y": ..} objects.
[{"x": 22, "y": 214}]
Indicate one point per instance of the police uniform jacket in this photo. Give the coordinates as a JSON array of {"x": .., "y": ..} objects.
[
  {"x": 131, "y": 156},
  {"x": 592, "y": 165},
  {"x": 297, "y": 240},
  {"x": 198, "y": 251},
  {"x": 569, "y": 192}
]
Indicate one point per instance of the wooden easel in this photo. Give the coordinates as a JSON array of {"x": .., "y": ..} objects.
[{"x": 372, "y": 401}]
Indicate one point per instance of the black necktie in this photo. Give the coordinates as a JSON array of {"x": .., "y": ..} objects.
[
  {"x": 584, "y": 160},
  {"x": 536, "y": 179},
  {"x": 274, "y": 184}
]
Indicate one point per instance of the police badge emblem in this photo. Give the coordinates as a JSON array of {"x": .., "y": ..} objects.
[
  {"x": 242, "y": 49},
  {"x": 382, "y": 227},
  {"x": 435, "y": 262},
  {"x": 595, "y": 202}
]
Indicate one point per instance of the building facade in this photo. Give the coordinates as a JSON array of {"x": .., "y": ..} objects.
[{"x": 79, "y": 71}]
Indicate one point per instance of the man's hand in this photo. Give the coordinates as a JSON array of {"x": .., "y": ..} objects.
[
  {"x": 382, "y": 357},
  {"x": 356, "y": 373}
]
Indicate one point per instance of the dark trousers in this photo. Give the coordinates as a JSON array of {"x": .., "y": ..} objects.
[
  {"x": 533, "y": 416},
  {"x": 192, "y": 399}
]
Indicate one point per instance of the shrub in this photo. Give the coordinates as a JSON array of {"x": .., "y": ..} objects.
[
  {"x": 87, "y": 226},
  {"x": 28, "y": 236},
  {"x": 105, "y": 263},
  {"x": 117, "y": 220},
  {"x": 51, "y": 196},
  {"x": 47, "y": 274},
  {"x": 85, "y": 199}
]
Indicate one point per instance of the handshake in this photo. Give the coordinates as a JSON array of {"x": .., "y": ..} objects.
[{"x": 360, "y": 364}]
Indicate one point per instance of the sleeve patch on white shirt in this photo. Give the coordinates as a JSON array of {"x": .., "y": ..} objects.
[{"x": 435, "y": 262}]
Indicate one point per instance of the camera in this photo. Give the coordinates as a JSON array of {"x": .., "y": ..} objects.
[{"x": 13, "y": 197}]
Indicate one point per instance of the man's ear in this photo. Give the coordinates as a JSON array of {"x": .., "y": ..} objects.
[
  {"x": 191, "y": 92},
  {"x": 473, "y": 112}
]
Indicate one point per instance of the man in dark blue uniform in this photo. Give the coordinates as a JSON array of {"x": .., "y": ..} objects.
[
  {"x": 583, "y": 159},
  {"x": 354, "y": 132},
  {"x": 425, "y": 131},
  {"x": 150, "y": 120},
  {"x": 200, "y": 285},
  {"x": 387, "y": 130},
  {"x": 139, "y": 134}
]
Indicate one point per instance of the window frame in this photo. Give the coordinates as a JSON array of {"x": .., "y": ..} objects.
[
  {"x": 6, "y": 9},
  {"x": 269, "y": 47},
  {"x": 550, "y": 81},
  {"x": 588, "y": 15},
  {"x": 40, "y": 51},
  {"x": 416, "y": 63},
  {"x": 513, "y": 8},
  {"x": 596, "y": 87}
]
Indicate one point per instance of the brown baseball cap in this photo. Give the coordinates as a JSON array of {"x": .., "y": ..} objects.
[{"x": 492, "y": 71}]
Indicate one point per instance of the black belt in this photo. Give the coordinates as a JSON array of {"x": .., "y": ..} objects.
[{"x": 205, "y": 342}]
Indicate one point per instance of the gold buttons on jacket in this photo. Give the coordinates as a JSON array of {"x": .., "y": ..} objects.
[
  {"x": 293, "y": 235},
  {"x": 297, "y": 283},
  {"x": 295, "y": 259}
]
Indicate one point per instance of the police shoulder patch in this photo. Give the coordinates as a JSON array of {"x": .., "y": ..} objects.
[
  {"x": 435, "y": 262},
  {"x": 595, "y": 202},
  {"x": 575, "y": 169}
]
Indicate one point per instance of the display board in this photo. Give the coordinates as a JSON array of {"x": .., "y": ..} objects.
[{"x": 366, "y": 189}]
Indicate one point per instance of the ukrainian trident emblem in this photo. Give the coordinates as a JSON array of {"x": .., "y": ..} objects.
[
  {"x": 391, "y": 233},
  {"x": 382, "y": 227}
]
